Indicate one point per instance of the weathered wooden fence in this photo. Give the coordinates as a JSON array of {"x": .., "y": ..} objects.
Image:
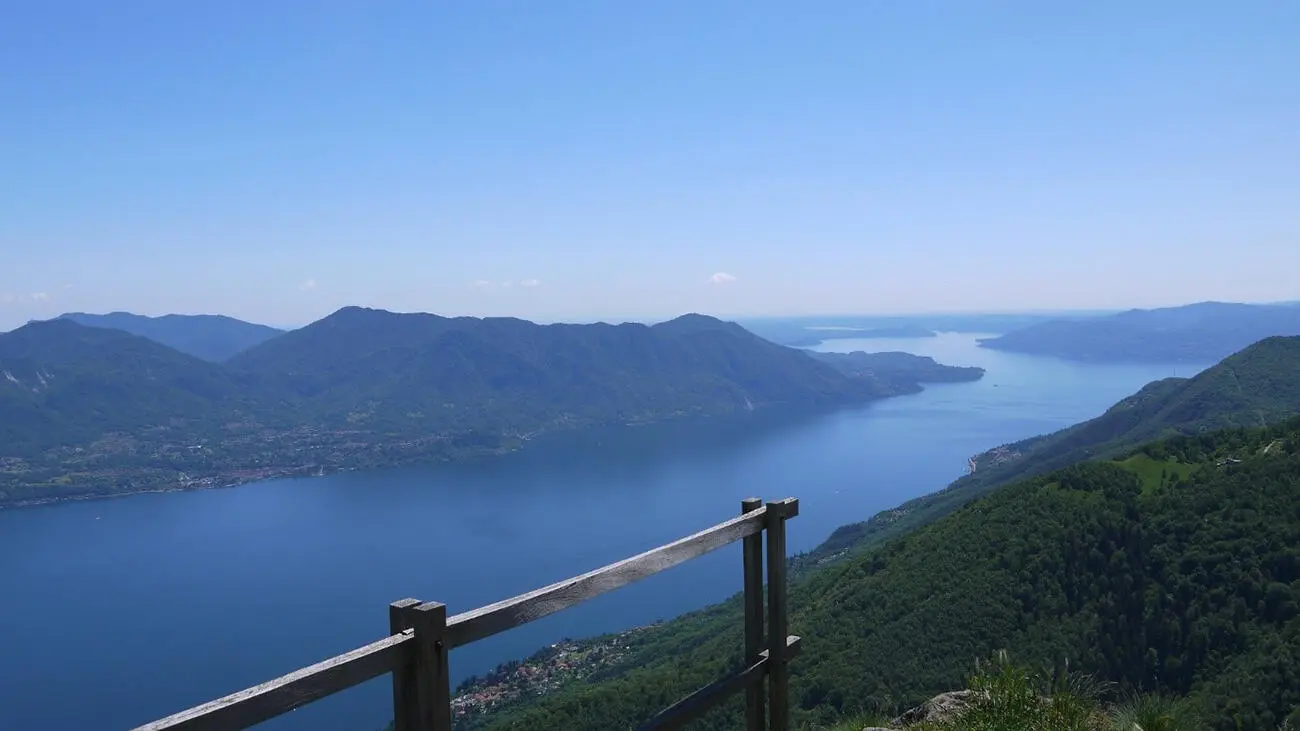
[{"x": 416, "y": 651}]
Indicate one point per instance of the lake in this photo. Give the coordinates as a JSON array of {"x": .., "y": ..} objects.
[{"x": 117, "y": 612}]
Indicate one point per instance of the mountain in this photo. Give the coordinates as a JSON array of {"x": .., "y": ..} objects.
[
  {"x": 1199, "y": 333},
  {"x": 94, "y": 411},
  {"x": 64, "y": 385},
  {"x": 1174, "y": 570},
  {"x": 210, "y": 337},
  {"x": 1260, "y": 385},
  {"x": 897, "y": 365},
  {"x": 408, "y": 371}
]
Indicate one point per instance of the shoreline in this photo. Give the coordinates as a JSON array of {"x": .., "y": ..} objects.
[{"x": 509, "y": 444}]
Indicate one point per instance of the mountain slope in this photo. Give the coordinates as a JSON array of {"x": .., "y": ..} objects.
[
  {"x": 399, "y": 371},
  {"x": 1259, "y": 385},
  {"x": 1255, "y": 387},
  {"x": 1197, "y": 333},
  {"x": 63, "y": 384},
  {"x": 210, "y": 337},
  {"x": 1184, "y": 579}
]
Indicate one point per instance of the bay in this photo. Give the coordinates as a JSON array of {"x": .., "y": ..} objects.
[{"x": 116, "y": 612}]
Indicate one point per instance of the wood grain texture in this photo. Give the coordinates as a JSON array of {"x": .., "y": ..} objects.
[
  {"x": 432, "y": 674},
  {"x": 778, "y": 674},
  {"x": 486, "y": 621},
  {"x": 712, "y": 695},
  {"x": 405, "y": 711},
  {"x": 275, "y": 697},
  {"x": 752, "y": 553}
]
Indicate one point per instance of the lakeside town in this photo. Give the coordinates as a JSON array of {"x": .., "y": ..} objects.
[
  {"x": 545, "y": 672},
  {"x": 169, "y": 460}
]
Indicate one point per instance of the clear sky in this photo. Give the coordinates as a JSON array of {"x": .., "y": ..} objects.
[{"x": 276, "y": 160}]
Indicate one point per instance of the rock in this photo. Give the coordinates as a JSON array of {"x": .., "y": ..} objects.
[{"x": 938, "y": 709}]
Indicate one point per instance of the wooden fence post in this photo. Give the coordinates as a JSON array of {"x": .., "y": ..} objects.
[
  {"x": 778, "y": 620},
  {"x": 432, "y": 679},
  {"x": 753, "y": 559},
  {"x": 405, "y": 711}
]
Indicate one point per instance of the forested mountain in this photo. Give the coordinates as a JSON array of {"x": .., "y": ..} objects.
[
  {"x": 400, "y": 370},
  {"x": 92, "y": 411},
  {"x": 65, "y": 385},
  {"x": 210, "y": 337},
  {"x": 1260, "y": 385},
  {"x": 1175, "y": 569},
  {"x": 1199, "y": 333}
]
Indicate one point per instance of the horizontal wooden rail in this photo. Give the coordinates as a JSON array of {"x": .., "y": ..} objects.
[
  {"x": 475, "y": 625},
  {"x": 711, "y": 696},
  {"x": 287, "y": 692}
]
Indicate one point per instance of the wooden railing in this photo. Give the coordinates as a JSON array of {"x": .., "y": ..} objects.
[{"x": 416, "y": 651}]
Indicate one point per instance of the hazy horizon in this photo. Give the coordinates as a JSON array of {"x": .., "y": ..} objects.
[
  {"x": 575, "y": 162},
  {"x": 607, "y": 318},
  {"x": 615, "y": 319}
]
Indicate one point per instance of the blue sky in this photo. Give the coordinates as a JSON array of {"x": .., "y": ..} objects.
[{"x": 275, "y": 160}]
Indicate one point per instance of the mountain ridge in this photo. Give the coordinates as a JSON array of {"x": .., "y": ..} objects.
[
  {"x": 366, "y": 388},
  {"x": 210, "y": 337}
]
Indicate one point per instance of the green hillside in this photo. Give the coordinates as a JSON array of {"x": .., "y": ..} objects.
[
  {"x": 64, "y": 385},
  {"x": 417, "y": 372},
  {"x": 1259, "y": 385},
  {"x": 210, "y": 337},
  {"x": 1182, "y": 580},
  {"x": 96, "y": 411}
]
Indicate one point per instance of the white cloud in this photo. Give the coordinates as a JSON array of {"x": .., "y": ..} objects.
[
  {"x": 722, "y": 278},
  {"x": 506, "y": 284},
  {"x": 307, "y": 286},
  {"x": 40, "y": 297},
  {"x": 7, "y": 299}
]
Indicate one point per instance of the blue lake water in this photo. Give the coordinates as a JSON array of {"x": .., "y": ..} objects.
[{"x": 117, "y": 612}]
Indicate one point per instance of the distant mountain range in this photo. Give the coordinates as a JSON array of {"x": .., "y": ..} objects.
[
  {"x": 1198, "y": 333},
  {"x": 813, "y": 336},
  {"x": 807, "y": 330},
  {"x": 210, "y": 337},
  {"x": 97, "y": 410}
]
